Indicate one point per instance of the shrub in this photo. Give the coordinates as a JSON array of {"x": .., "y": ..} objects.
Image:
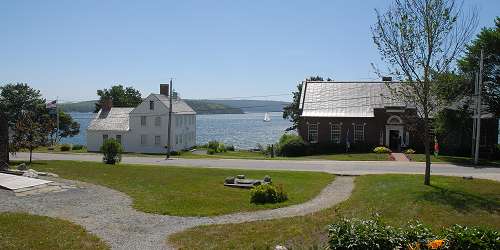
[
  {"x": 211, "y": 151},
  {"x": 373, "y": 234},
  {"x": 291, "y": 145},
  {"x": 381, "y": 150},
  {"x": 175, "y": 153},
  {"x": 65, "y": 147},
  {"x": 229, "y": 148},
  {"x": 221, "y": 148},
  {"x": 363, "y": 234},
  {"x": 460, "y": 237},
  {"x": 112, "y": 151},
  {"x": 78, "y": 147},
  {"x": 409, "y": 151},
  {"x": 267, "y": 193}
]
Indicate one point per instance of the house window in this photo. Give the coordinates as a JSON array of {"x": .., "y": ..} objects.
[
  {"x": 335, "y": 132},
  {"x": 143, "y": 121},
  {"x": 359, "y": 133},
  {"x": 104, "y": 137},
  {"x": 313, "y": 133},
  {"x": 157, "y": 140},
  {"x": 119, "y": 138},
  {"x": 151, "y": 105},
  {"x": 144, "y": 139},
  {"x": 158, "y": 121}
]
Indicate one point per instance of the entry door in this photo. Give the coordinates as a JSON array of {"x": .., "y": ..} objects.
[{"x": 394, "y": 141}]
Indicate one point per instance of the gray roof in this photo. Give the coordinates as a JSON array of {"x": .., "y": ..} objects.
[
  {"x": 179, "y": 106},
  {"x": 117, "y": 119},
  {"x": 345, "y": 99}
]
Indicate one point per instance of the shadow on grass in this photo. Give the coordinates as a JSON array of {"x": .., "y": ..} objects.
[{"x": 461, "y": 201}]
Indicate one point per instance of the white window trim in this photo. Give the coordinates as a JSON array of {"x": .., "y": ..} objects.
[
  {"x": 309, "y": 132},
  {"x": 354, "y": 132},
  {"x": 339, "y": 134}
]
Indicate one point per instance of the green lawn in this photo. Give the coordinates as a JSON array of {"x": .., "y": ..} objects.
[
  {"x": 246, "y": 154},
  {"x": 397, "y": 198},
  {"x": 186, "y": 191},
  {"x": 451, "y": 159},
  {"x": 259, "y": 156},
  {"x": 25, "y": 231}
]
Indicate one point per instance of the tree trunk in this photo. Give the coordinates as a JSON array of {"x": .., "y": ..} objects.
[
  {"x": 4, "y": 139},
  {"x": 31, "y": 153},
  {"x": 427, "y": 178}
]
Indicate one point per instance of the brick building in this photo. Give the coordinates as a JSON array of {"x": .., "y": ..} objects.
[{"x": 364, "y": 113}]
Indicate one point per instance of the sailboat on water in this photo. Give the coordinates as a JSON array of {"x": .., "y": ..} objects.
[{"x": 267, "y": 117}]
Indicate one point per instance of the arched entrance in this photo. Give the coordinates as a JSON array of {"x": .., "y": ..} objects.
[{"x": 394, "y": 130}]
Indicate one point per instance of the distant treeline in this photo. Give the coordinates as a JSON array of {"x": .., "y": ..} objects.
[{"x": 200, "y": 106}]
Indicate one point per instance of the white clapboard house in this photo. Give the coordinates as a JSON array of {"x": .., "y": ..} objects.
[{"x": 144, "y": 129}]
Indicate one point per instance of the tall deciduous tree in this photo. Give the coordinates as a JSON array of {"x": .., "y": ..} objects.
[
  {"x": 122, "y": 97},
  {"x": 489, "y": 41},
  {"x": 420, "y": 39},
  {"x": 292, "y": 111},
  {"x": 16, "y": 98},
  {"x": 31, "y": 131}
]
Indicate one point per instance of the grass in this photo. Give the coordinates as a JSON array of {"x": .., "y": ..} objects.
[
  {"x": 242, "y": 154},
  {"x": 396, "y": 198},
  {"x": 25, "y": 231},
  {"x": 186, "y": 191},
  {"x": 451, "y": 159}
]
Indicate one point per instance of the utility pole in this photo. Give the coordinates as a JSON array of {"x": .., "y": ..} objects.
[
  {"x": 479, "y": 106},
  {"x": 169, "y": 144},
  {"x": 57, "y": 115}
]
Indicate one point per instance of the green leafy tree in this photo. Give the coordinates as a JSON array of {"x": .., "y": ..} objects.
[
  {"x": 15, "y": 99},
  {"x": 31, "y": 131},
  {"x": 67, "y": 127},
  {"x": 488, "y": 40},
  {"x": 292, "y": 111},
  {"x": 122, "y": 97},
  {"x": 420, "y": 39}
]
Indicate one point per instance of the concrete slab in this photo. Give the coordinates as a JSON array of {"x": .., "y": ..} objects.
[{"x": 15, "y": 182}]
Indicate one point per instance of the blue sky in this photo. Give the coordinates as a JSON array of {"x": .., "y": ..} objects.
[{"x": 213, "y": 49}]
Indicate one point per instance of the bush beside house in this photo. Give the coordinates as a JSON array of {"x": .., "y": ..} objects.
[{"x": 112, "y": 151}]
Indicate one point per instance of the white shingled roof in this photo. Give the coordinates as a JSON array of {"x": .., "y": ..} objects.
[
  {"x": 344, "y": 99},
  {"x": 179, "y": 106},
  {"x": 117, "y": 119}
]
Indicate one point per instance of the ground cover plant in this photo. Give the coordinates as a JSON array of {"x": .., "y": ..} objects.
[
  {"x": 396, "y": 198},
  {"x": 187, "y": 191},
  {"x": 25, "y": 231}
]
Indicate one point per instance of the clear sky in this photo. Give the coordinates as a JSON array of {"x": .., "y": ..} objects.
[{"x": 213, "y": 49}]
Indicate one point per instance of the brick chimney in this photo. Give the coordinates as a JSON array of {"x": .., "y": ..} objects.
[
  {"x": 164, "y": 89},
  {"x": 107, "y": 104}
]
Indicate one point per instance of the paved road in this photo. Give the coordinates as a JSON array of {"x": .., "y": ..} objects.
[{"x": 335, "y": 167}]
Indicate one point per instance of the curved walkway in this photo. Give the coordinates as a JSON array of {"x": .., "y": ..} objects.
[{"x": 109, "y": 214}]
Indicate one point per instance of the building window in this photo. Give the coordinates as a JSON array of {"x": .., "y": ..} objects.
[
  {"x": 143, "y": 121},
  {"x": 119, "y": 138},
  {"x": 144, "y": 139},
  {"x": 312, "y": 133},
  {"x": 176, "y": 139},
  {"x": 359, "y": 133},
  {"x": 335, "y": 132},
  {"x": 157, "y": 140},
  {"x": 104, "y": 137},
  {"x": 151, "y": 105},
  {"x": 158, "y": 121}
]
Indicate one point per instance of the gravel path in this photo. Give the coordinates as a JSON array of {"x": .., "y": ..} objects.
[{"x": 108, "y": 213}]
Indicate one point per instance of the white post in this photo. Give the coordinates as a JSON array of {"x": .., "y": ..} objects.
[
  {"x": 478, "y": 128},
  {"x": 57, "y": 115}
]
